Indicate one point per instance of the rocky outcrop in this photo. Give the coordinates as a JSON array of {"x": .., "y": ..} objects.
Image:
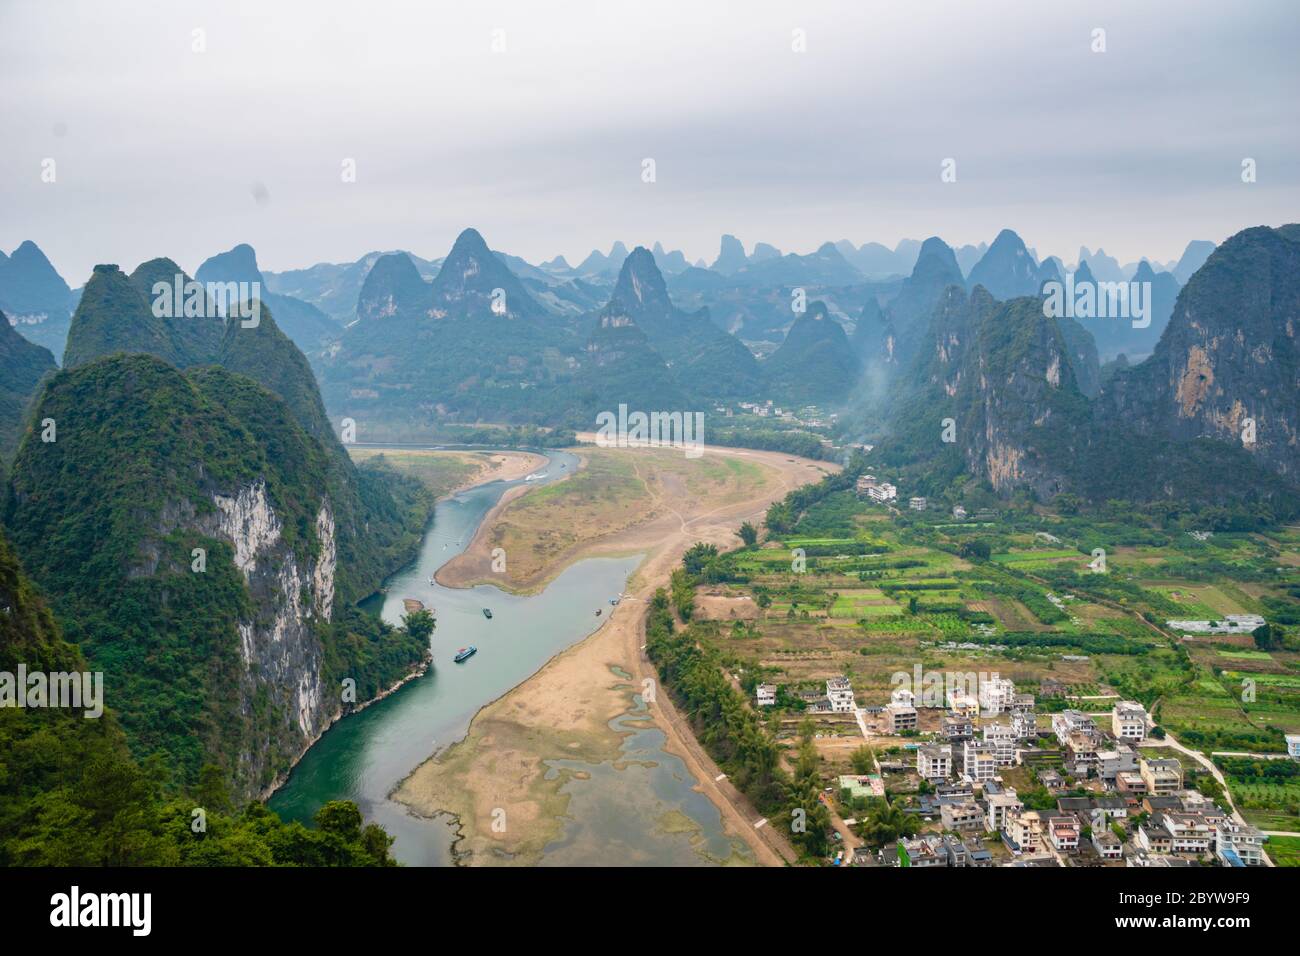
[{"x": 1227, "y": 367}]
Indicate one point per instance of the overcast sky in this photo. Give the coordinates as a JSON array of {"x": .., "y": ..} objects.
[{"x": 161, "y": 150}]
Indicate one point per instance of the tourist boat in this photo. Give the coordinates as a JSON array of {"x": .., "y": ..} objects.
[
  {"x": 487, "y": 613},
  {"x": 465, "y": 653},
  {"x": 613, "y": 601},
  {"x": 597, "y": 612}
]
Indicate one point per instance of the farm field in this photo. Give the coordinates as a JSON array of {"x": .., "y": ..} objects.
[{"x": 852, "y": 588}]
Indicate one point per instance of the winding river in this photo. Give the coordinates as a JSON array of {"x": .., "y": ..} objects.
[{"x": 363, "y": 756}]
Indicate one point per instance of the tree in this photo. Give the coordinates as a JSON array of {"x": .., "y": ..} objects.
[
  {"x": 698, "y": 556},
  {"x": 976, "y": 550},
  {"x": 419, "y": 624},
  {"x": 683, "y": 593},
  {"x": 1266, "y": 637},
  {"x": 863, "y": 760},
  {"x": 748, "y": 534},
  {"x": 883, "y": 822}
]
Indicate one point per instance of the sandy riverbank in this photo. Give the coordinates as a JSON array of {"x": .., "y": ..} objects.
[
  {"x": 563, "y": 711},
  {"x": 500, "y": 466}
]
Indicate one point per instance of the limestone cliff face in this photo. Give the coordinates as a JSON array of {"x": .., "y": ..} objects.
[
  {"x": 1004, "y": 376},
  {"x": 1212, "y": 416},
  {"x": 1229, "y": 357},
  {"x": 1030, "y": 406},
  {"x": 282, "y": 701}
]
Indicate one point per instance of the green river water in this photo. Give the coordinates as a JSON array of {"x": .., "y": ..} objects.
[{"x": 642, "y": 811}]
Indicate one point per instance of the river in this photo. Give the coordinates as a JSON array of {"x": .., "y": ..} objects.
[{"x": 648, "y": 807}]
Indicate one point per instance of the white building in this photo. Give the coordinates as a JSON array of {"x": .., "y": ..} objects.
[
  {"x": 934, "y": 761},
  {"x": 766, "y": 695},
  {"x": 1068, "y": 721},
  {"x": 1113, "y": 761},
  {"x": 978, "y": 761},
  {"x": 1246, "y": 842},
  {"x": 1293, "y": 745},
  {"x": 999, "y": 805},
  {"x": 882, "y": 492},
  {"x": 1024, "y": 723},
  {"x": 1024, "y": 828},
  {"x": 840, "y": 693},
  {"x": 1002, "y": 738},
  {"x": 997, "y": 695},
  {"x": 917, "y": 504},
  {"x": 1128, "y": 721}
]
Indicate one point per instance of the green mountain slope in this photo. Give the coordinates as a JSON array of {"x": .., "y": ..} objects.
[
  {"x": 71, "y": 794},
  {"x": 22, "y": 366},
  {"x": 237, "y": 663},
  {"x": 113, "y": 316},
  {"x": 815, "y": 363}
]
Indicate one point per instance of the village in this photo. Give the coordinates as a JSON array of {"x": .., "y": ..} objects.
[{"x": 1115, "y": 798}]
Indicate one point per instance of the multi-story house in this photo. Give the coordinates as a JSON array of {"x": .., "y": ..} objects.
[
  {"x": 934, "y": 761},
  {"x": 1063, "y": 832},
  {"x": 1081, "y": 751},
  {"x": 1107, "y": 844},
  {"x": 1131, "y": 782},
  {"x": 1162, "y": 777},
  {"x": 1234, "y": 842},
  {"x": 965, "y": 815},
  {"x": 1023, "y": 830},
  {"x": 997, "y": 695},
  {"x": 962, "y": 704},
  {"x": 1128, "y": 721},
  {"x": 935, "y": 849},
  {"x": 900, "y": 712},
  {"x": 955, "y": 729},
  {"x": 840, "y": 693},
  {"x": 1024, "y": 723},
  {"x": 1069, "y": 721},
  {"x": 1002, "y": 738},
  {"x": 1121, "y": 758},
  {"x": 978, "y": 761},
  {"x": 766, "y": 695},
  {"x": 1189, "y": 832},
  {"x": 998, "y": 806}
]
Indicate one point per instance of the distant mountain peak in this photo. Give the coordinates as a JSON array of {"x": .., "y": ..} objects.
[
  {"x": 731, "y": 255},
  {"x": 640, "y": 283},
  {"x": 1007, "y": 270}
]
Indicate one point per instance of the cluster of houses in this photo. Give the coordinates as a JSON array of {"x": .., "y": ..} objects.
[
  {"x": 963, "y": 765},
  {"x": 838, "y": 698}
]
